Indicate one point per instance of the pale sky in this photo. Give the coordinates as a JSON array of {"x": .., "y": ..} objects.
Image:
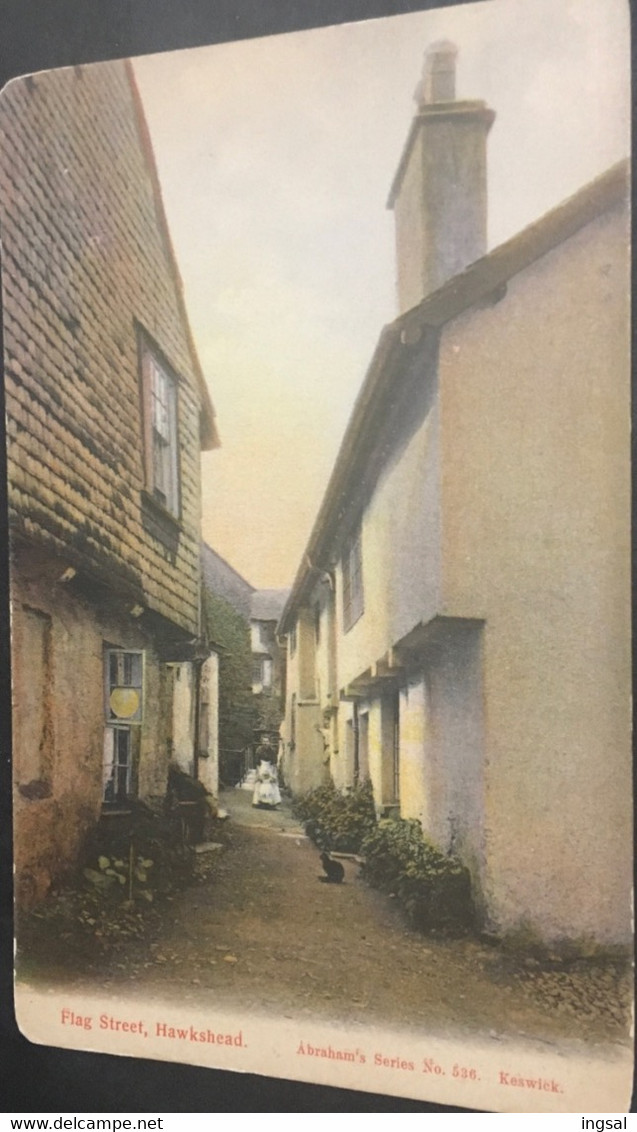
[{"x": 276, "y": 156}]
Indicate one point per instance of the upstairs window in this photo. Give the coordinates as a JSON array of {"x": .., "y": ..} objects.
[
  {"x": 262, "y": 671},
  {"x": 352, "y": 565},
  {"x": 161, "y": 436}
]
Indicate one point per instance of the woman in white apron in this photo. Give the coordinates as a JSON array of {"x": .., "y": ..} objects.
[{"x": 266, "y": 789}]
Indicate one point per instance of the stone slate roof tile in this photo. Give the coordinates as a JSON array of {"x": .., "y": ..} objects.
[
  {"x": 222, "y": 579},
  {"x": 267, "y": 605},
  {"x": 84, "y": 258}
]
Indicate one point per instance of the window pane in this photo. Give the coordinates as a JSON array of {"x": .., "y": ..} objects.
[
  {"x": 117, "y": 764},
  {"x": 107, "y": 765},
  {"x": 160, "y": 398},
  {"x": 131, "y": 675},
  {"x": 123, "y": 763},
  {"x": 161, "y": 433},
  {"x": 124, "y": 686},
  {"x": 352, "y": 570},
  {"x": 136, "y": 669}
]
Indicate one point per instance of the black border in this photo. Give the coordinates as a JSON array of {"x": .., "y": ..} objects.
[{"x": 36, "y": 35}]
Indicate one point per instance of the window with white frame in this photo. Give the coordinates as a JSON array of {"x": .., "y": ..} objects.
[
  {"x": 262, "y": 671},
  {"x": 123, "y": 710},
  {"x": 352, "y": 566},
  {"x": 161, "y": 434}
]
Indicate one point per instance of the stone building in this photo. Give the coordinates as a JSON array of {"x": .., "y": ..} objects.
[
  {"x": 260, "y": 610},
  {"x": 268, "y": 667},
  {"x": 107, "y": 414},
  {"x": 226, "y": 600},
  {"x": 458, "y": 630}
]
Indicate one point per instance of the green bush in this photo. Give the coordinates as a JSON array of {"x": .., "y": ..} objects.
[
  {"x": 433, "y": 888},
  {"x": 130, "y": 864},
  {"x": 337, "y": 821}
]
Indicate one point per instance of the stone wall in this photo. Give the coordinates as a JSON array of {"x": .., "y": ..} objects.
[{"x": 58, "y": 646}]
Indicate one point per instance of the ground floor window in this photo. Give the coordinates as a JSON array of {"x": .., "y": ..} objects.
[
  {"x": 123, "y": 708},
  {"x": 118, "y": 764}
]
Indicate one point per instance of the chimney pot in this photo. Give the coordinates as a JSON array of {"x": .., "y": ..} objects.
[
  {"x": 438, "y": 83},
  {"x": 439, "y": 193}
]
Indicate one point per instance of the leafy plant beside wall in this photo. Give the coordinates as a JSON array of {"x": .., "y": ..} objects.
[
  {"x": 337, "y": 821},
  {"x": 433, "y": 887},
  {"x": 129, "y": 867},
  {"x": 133, "y": 874}
]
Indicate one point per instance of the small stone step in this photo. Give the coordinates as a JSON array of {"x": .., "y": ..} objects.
[{"x": 208, "y": 847}]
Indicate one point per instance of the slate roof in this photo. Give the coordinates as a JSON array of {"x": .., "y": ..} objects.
[
  {"x": 267, "y": 605},
  {"x": 222, "y": 579}
]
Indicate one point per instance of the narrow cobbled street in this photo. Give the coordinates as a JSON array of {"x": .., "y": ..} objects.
[{"x": 259, "y": 932}]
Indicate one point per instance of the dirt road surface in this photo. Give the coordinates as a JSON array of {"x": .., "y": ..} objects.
[{"x": 259, "y": 932}]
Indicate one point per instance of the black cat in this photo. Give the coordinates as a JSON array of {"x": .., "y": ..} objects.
[{"x": 333, "y": 869}]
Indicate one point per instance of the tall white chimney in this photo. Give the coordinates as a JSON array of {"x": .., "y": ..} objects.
[{"x": 439, "y": 194}]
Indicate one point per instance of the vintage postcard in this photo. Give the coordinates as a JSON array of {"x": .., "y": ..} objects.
[{"x": 317, "y": 385}]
